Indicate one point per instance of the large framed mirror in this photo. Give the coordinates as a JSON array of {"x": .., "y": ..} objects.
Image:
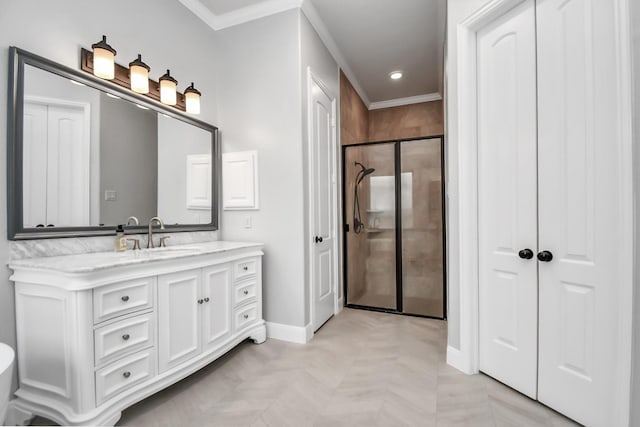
[{"x": 85, "y": 155}]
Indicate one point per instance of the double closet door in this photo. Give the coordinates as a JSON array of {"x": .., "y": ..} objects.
[{"x": 548, "y": 204}]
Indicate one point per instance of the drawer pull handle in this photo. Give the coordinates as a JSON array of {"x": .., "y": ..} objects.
[
  {"x": 126, "y": 337},
  {"x": 126, "y": 374},
  {"x": 125, "y": 298},
  {"x": 200, "y": 301},
  {"x": 206, "y": 299},
  {"x": 246, "y": 292},
  {"x": 245, "y": 268},
  {"x": 246, "y": 316}
]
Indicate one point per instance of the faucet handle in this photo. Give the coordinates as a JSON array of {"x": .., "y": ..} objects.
[
  {"x": 136, "y": 243},
  {"x": 163, "y": 239}
]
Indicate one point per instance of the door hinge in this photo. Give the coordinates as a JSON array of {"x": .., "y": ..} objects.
[{"x": 346, "y": 228}]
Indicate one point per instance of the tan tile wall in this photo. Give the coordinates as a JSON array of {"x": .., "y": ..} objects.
[
  {"x": 354, "y": 115},
  {"x": 358, "y": 124},
  {"x": 407, "y": 121}
]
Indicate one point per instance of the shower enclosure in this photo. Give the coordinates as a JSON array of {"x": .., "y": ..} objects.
[{"x": 393, "y": 212}]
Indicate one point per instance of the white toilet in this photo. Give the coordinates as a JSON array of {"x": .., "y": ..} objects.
[{"x": 6, "y": 369}]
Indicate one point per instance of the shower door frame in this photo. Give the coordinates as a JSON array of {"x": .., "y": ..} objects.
[{"x": 346, "y": 228}]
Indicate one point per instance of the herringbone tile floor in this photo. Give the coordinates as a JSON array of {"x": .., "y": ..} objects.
[{"x": 361, "y": 369}]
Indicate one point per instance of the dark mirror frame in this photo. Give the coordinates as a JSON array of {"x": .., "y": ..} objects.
[{"x": 18, "y": 58}]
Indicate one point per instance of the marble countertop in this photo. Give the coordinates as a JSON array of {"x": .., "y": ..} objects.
[{"x": 89, "y": 262}]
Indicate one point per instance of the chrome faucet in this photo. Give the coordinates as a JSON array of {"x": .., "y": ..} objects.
[
  {"x": 132, "y": 219},
  {"x": 153, "y": 220}
]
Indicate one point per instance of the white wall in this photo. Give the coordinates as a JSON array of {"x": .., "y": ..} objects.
[
  {"x": 164, "y": 31},
  {"x": 263, "y": 107},
  {"x": 635, "y": 384},
  {"x": 457, "y": 11},
  {"x": 259, "y": 95},
  {"x": 314, "y": 55}
]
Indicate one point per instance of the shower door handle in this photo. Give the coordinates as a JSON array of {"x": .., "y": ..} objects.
[{"x": 318, "y": 239}]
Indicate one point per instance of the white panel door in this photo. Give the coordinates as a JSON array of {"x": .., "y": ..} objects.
[
  {"x": 68, "y": 167},
  {"x": 34, "y": 172},
  {"x": 322, "y": 156},
  {"x": 178, "y": 318},
  {"x": 507, "y": 212},
  {"x": 579, "y": 151},
  {"x": 216, "y": 297}
]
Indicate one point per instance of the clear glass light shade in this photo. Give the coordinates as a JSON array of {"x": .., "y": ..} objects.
[
  {"x": 192, "y": 101},
  {"x": 168, "y": 92},
  {"x": 103, "y": 63}
]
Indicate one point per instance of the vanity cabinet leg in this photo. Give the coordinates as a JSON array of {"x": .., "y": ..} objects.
[{"x": 259, "y": 335}]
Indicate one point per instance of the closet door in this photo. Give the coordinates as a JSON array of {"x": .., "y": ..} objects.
[
  {"x": 579, "y": 151},
  {"x": 507, "y": 210}
]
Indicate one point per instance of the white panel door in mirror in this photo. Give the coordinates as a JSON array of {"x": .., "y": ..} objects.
[
  {"x": 199, "y": 181},
  {"x": 240, "y": 180}
]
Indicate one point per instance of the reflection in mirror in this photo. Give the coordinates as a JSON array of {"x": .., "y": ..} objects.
[{"x": 93, "y": 159}]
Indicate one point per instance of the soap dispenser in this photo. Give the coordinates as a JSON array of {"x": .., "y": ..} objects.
[{"x": 121, "y": 240}]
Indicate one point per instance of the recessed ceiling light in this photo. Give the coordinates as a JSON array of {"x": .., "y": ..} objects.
[{"x": 395, "y": 75}]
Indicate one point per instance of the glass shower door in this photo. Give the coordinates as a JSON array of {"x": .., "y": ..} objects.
[
  {"x": 422, "y": 228},
  {"x": 370, "y": 208}
]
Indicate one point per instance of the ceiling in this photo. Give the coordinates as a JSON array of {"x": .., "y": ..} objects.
[{"x": 368, "y": 38}]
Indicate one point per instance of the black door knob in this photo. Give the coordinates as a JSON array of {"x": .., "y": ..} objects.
[
  {"x": 318, "y": 239},
  {"x": 545, "y": 256},
  {"x": 525, "y": 253}
]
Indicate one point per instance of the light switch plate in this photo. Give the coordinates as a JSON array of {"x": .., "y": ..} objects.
[
  {"x": 247, "y": 221},
  {"x": 110, "y": 195}
]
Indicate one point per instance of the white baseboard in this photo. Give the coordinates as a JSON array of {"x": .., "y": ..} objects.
[
  {"x": 295, "y": 334},
  {"x": 459, "y": 360}
]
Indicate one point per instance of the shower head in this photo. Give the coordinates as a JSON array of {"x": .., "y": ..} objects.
[{"x": 363, "y": 172}]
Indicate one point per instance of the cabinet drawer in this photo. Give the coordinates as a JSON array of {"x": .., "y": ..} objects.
[
  {"x": 123, "y": 374},
  {"x": 245, "y": 268},
  {"x": 123, "y": 337},
  {"x": 246, "y": 315},
  {"x": 122, "y": 298},
  {"x": 244, "y": 292}
]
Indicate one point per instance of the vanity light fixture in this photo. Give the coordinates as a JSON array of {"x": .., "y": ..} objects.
[
  {"x": 168, "y": 89},
  {"x": 103, "y": 59},
  {"x": 139, "y": 75},
  {"x": 135, "y": 77},
  {"x": 192, "y": 99},
  {"x": 395, "y": 75}
]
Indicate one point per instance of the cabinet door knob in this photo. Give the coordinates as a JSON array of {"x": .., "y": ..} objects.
[
  {"x": 126, "y": 374},
  {"x": 318, "y": 239},
  {"x": 525, "y": 254},
  {"x": 245, "y": 268},
  {"x": 246, "y": 316},
  {"x": 125, "y": 298},
  {"x": 246, "y": 292},
  {"x": 200, "y": 301},
  {"x": 206, "y": 299},
  {"x": 545, "y": 256},
  {"x": 126, "y": 337}
]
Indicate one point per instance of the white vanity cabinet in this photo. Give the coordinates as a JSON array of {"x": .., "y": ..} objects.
[{"x": 99, "y": 332}]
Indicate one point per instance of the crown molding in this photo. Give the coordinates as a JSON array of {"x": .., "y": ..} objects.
[
  {"x": 405, "y": 101},
  {"x": 314, "y": 18},
  {"x": 239, "y": 16}
]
